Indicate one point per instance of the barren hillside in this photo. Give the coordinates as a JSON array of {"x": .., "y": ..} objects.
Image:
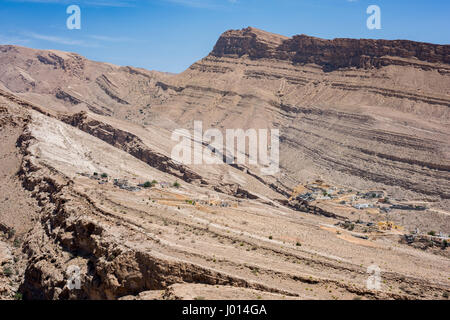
[{"x": 89, "y": 181}]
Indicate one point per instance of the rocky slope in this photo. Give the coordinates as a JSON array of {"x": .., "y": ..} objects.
[
  {"x": 124, "y": 244},
  {"x": 364, "y": 114},
  {"x": 68, "y": 82}
]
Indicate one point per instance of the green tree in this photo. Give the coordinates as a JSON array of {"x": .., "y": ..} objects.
[{"x": 147, "y": 184}]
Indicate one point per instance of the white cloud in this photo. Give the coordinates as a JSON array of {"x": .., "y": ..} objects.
[
  {"x": 202, "y": 4},
  {"x": 111, "y": 39},
  {"x": 59, "y": 40},
  {"x": 95, "y": 3},
  {"x": 13, "y": 40}
]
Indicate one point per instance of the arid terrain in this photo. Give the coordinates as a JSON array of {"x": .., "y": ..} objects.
[{"x": 87, "y": 178}]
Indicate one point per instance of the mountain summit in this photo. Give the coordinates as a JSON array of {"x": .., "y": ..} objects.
[{"x": 330, "y": 54}]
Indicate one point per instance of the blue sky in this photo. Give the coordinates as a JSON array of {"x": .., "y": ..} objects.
[{"x": 170, "y": 35}]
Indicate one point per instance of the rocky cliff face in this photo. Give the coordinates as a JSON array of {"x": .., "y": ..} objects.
[
  {"x": 252, "y": 42},
  {"x": 330, "y": 54}
]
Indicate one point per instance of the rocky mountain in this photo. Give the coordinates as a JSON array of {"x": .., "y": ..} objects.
[
  {"x": 329, "y": 54},
  {"x": 375, "y": 121},
  {"x": 89, "y": 183},
  {"x": 68, "y": 82}
]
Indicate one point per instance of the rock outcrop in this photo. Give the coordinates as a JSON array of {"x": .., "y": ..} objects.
[{"x": 329, "y": 54}]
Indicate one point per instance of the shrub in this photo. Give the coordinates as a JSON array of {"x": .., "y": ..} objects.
[
  {"x": 154, "y": 182},
  {"x": 11, "y": 233},
  {"x": 95, "y": 174},
  {"x": 16, "y": 243},
  {"x": 104, "y": 175},
  {"x": 270, "y": 237},
  {"x": 176, "y": 184},
  {"x": 7, "y": 271},
  {"x": 147, "y": 184},
  {"x": 298, "y": 244},
  {"x": 432, "y": 233},
  {"x": 18, "y": 296}
]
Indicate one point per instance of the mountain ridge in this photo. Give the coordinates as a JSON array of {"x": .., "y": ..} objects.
[{"x": 330, "y": 54}]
